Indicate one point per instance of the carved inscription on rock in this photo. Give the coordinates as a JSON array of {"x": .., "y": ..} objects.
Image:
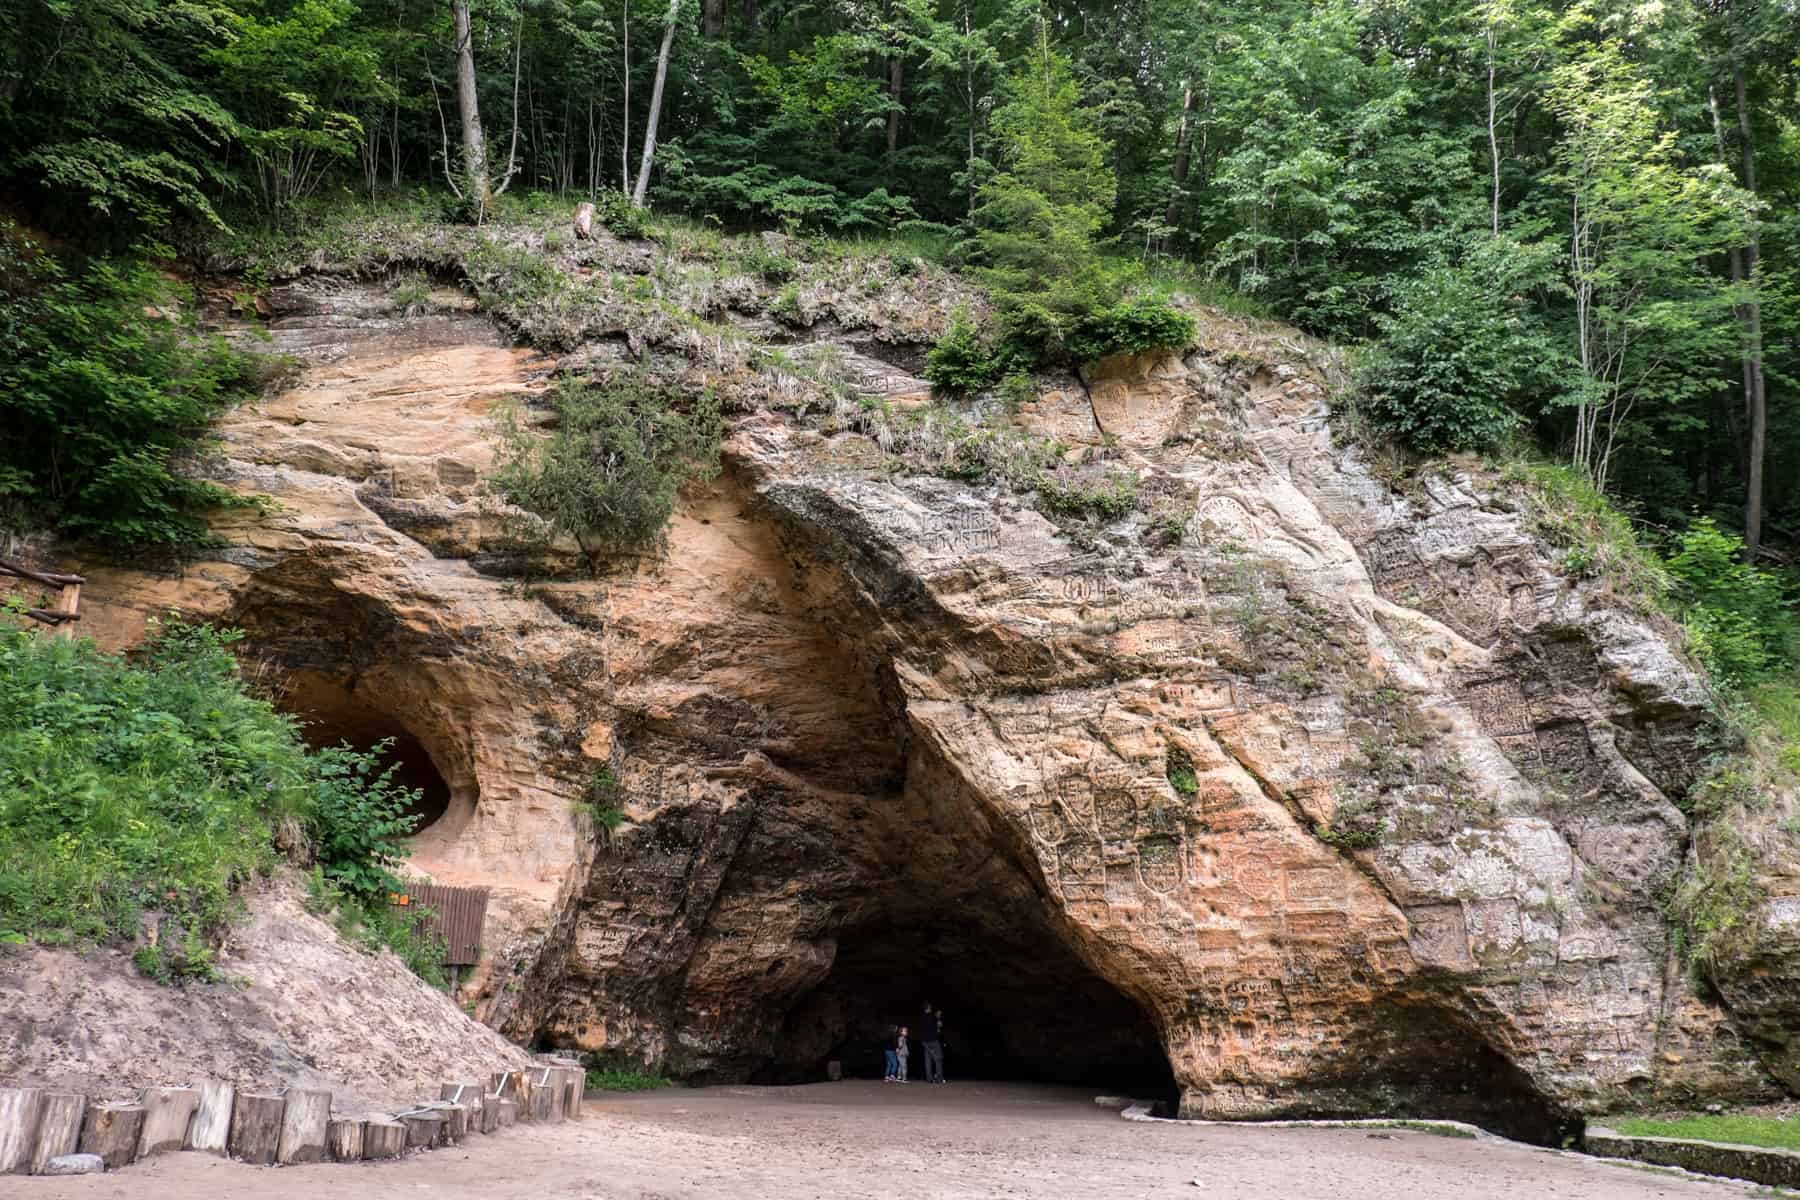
[
  {"x": 600, "y": 945},
  {"x": 1159, "y": 864},
  {"x": 1438, "y": 937},
  {"x": 1315, "y": 887},
  {"x": 1392, "y": 560},
  {"x": 1204, "y": 696},
  {"x": 1080, "y": 871},
  {"x": 962, "y": 532},
  {"x": 1567, "y": 752},
  {"x": 1115, "y": 802},
  {"x": 1500, "y": 706},
  {"x": 1099, "y": 595}
]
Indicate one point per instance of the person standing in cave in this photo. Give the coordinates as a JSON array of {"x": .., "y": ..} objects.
[
  {"x": 890, "y": 1058},
  {"x": 931, "y": 1034},
  {"x": 900, "y": 1056}
]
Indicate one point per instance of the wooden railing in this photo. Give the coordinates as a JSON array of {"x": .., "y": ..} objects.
[{"x": 68, "y": 602}]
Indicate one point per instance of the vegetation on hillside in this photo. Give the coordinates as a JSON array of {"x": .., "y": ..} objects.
[
  {"x": 1593, "y": 202},
  {"x": 106, "y": 386},
  {"x": 137, "y": 795}
]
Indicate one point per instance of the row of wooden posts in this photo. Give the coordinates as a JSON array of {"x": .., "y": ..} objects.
[{"x": 287, "y": 1127}]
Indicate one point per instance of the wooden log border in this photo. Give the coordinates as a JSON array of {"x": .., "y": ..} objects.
[{"x": 278, "y": 1125}]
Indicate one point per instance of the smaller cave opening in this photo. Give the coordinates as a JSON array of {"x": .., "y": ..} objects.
[
  {"x": 331, "y": 715},
  {"x": 1419, "y": 1060},
  {"x": 1018, "y": 1006}
]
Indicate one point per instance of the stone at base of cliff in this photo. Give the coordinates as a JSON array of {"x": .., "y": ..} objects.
[
  {"x": 75, "y": 1164},
  {"x": 1759, "y": 1164}
]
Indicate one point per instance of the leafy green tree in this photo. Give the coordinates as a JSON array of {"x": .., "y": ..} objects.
[
  {"x": 97, "y": 103},
  {"x": 294, "y": 80},
  {"x": 1463, "y": 359},
  {"x": 1641, "y": 224}
]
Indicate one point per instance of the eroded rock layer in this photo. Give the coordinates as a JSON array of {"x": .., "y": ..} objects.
[{"x": 1319, "y": 795}]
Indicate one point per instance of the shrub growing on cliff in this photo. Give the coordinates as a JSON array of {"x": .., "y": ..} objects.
[
  {"x": 1136, "y": 325},
  {"x": 610, "y": 470},
  {"x": 357, "y": 817},
  {"x": 960, "y": 362},
  {"x": 1740, "y": 622}
]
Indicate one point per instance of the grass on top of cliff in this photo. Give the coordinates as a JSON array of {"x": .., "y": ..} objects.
[
  {"x": 1736, "y": 1128},
  {"x": 662, "y": 281},
  {"x": 137, "y": 794}
]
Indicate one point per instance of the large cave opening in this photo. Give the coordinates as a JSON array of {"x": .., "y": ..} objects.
[
  {"x": 946, "y": 906},
  {"x": 1017, "y": 1005}
]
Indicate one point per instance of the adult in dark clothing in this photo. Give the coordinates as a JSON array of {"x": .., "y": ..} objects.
[{"x": 931, "y": 1037}]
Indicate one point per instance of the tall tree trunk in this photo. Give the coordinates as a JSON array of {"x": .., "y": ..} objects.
[
  {"x": 656, "y": 95},
  {"x": 1753, "y": 431},
  {"x": 974, "y": 113},
  {"x": 896, "y": 76},
  {"x": 474, "y": 143},
  {"x": 752, "y": 14},
  {"x": 1184, "y": 149},
  {"x": 625, "y": 103},
  {"x": 512, "y": 150},
  {"x": 712, "y": 18},
  {"x": 1493, "y": 135},
  {"x": 1755, "y": 390},
  {"x": 593, "y": 151}
]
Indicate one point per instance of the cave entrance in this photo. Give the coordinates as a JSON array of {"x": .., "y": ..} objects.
[
  {"x": 1018, "y": 1005},
  {"x": 331, "y": 714}
]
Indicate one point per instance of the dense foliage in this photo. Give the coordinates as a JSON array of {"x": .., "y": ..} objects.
[
  {"x": 135, "y": 796},
  {"x": 610, "y": 470},
  {"x": 1457, "y": 364},
  {"x": 104, "y": 385},
  {"x": 1741, "y": 621}
]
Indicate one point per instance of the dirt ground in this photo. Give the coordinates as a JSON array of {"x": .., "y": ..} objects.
[{"x": 868, "y": 1139}]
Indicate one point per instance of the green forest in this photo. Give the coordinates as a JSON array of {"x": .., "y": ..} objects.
[{"x": 1572, "y": 222}]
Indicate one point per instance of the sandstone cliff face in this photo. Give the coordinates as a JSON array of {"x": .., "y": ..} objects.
[{"x": 1316, "y": 795}]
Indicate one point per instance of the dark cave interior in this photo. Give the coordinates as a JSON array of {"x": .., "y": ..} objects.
[
  {"x": 1018, "y": 1005},
  {"x": 331, "y": 716}
]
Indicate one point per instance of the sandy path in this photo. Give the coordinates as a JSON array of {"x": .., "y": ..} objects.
[{"x": 862, "y": 1139}]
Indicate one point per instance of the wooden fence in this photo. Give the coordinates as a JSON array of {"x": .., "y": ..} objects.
[{"x": 68, "y": 602}]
